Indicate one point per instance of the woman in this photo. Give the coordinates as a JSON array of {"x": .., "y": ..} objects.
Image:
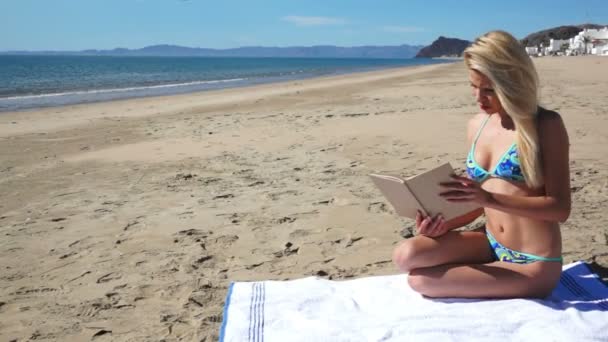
[{"x": 518, "y": 172}]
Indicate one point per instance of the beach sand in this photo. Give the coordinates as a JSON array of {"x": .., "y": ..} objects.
[{"x": 127, "y": 220}]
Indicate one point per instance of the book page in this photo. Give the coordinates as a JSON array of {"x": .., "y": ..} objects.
[
  {"x": 398, "y": 195},
  {"x": 426, "y": 189}
]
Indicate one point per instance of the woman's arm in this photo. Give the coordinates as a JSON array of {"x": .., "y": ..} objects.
[
  {"x": 463, "y": 220},
  {"x": 437, "y": 226},
  {"x": 555, "y": 204}
]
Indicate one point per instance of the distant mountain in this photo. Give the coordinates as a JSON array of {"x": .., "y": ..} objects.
[
  {"x": 444, "y": 47},
  {"x": 560, "y": 32},
  {"x": 321, "y": 51}
]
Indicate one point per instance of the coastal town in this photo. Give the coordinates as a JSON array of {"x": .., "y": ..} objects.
[{"x": 586, "y": 42}]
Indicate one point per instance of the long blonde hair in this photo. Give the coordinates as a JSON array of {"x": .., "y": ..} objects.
[{"x": 503, "y": 60}]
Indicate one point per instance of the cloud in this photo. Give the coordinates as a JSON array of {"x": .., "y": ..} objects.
[
  {"x": 313, "y": 21},
  {"x": 402, "y": 29}
]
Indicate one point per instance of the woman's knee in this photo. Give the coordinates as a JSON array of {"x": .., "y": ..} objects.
[
  {"x": 404, "y": 255},
  {"x": 420, "y": 282}
]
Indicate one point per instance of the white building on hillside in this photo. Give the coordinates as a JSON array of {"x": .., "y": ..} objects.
[
  {"x": 586, "y": 42},
  {"x": 590, "y": 41},
  {"x": 532, "y": 50},
  {"x": 555, "y": 45},
  {"x": 601, "y": 50}
]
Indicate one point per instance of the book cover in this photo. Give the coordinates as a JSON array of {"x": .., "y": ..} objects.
[{"x": 421, "y": 193}]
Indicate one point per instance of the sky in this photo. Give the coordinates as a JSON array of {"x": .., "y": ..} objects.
[{"x": 106, "y": 24}]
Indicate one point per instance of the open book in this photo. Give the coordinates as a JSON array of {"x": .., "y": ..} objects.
[{"x": 421, "y": 192}]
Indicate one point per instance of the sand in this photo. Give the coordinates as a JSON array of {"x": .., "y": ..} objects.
[{"x": 127, "y": 220}]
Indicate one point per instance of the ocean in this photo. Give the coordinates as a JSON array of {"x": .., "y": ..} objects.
[{"x": 43, "y": 81}]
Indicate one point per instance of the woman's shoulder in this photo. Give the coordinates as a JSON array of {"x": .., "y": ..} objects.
[
  {"x": 545, "y": 114},
  {"x": 550, "y": 124}
]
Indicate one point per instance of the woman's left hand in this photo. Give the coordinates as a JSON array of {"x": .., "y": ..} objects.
[{"x": 463, "y": 189}]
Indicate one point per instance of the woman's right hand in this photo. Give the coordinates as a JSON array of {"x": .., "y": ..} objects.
[{"x": 431, "y": 227}]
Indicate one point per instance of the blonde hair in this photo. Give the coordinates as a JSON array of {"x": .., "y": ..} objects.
[{"x": 504, "y": 61}]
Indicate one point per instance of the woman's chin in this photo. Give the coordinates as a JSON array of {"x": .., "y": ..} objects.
[{"x": 488, "y": 110}]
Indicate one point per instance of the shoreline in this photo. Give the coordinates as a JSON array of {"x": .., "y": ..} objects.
[
  {"x": 90, "y": 96},
  {"x": 208, "y": 98}
]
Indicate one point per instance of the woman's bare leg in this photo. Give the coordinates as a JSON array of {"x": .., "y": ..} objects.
[
  {"x": 459, "y": 264},
  {"x": 493, "y": 280},
  {"x": 452, "y": 248}
]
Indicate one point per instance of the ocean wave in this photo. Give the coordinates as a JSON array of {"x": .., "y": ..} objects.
[{"x": 119, "y": 90}]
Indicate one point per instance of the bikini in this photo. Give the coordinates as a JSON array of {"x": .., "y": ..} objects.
[{"x": 508, "y": 168}]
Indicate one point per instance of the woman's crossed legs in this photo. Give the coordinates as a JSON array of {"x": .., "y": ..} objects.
[{"x": 461, "y": 264}]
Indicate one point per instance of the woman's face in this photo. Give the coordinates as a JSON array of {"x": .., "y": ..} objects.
[{"x": 483, "y": 90}]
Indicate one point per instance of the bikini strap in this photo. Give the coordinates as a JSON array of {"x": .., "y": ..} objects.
[{"x": 480, "y": 129}]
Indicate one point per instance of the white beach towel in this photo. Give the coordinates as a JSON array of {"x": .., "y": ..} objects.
[{"x": 384, "y": 308}]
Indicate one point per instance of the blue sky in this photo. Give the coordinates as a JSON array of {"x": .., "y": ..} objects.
[{"x": 105, "y": 24}]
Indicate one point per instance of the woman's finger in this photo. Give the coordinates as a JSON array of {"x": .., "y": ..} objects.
[
  {"x": 461, "y": 199},
  {"x": 433, "y": 230},
  {"x": 442, "y": 227},
  {"x": 462, "y": 179},
  {"x": 424, "y": 226},
  {"x": 456, "y": 194},
  {"x": 458, "y": 186},
  {"x": 419, "y": 221}
]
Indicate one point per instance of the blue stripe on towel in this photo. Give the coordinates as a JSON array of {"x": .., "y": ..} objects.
[
  {"x": 256, "y": 312},
  {"x": 225, "y": 315},
  {"x": 260, "y": 312},
  {"x": 256, "y": 319},
  {"x": 263, "y": 302},
  {"x": 251, "y": 312},
  {"x": 575, "y": 288},
  {"x": 572, "y": 286}
]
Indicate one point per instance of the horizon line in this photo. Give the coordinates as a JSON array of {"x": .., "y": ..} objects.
[{"x": 217, "y": 49}]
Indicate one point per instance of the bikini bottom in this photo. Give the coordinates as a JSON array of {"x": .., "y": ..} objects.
[{"x": 502, "y": 253}]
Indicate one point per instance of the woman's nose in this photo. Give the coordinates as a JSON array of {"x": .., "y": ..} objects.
[{"x": 477, "y": 93}]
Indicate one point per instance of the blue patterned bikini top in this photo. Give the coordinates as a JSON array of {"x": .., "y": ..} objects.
[{"x": 508, "y": 166}]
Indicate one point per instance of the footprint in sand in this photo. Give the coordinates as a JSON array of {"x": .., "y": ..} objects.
[
  {"x": 224, "y": 196},
  {"x": 92, "y": 308},
  {"x": 200, "y": 298},
  {"x": 191, "y": 235},
  {"x": 205, "y": 261},
  {"x": 101, "y": 333},
  {"x": 277, "y": 195},
  {"x": 351, "y": 241},
  {"x": 226, "y": 240},
  {"x": 299, "y": 233},
  {"x": 285, "y": 219},
  {"x": 377, "y": 208},
  {"x": 213, "y": 319},
  {"x": 109, "y": 277},
  {"x": 287, "y": 251},
  {"x": 325, "y": 202},
  {"x": 354, "y": 114},
  {"x": 24, "y": 291}
]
